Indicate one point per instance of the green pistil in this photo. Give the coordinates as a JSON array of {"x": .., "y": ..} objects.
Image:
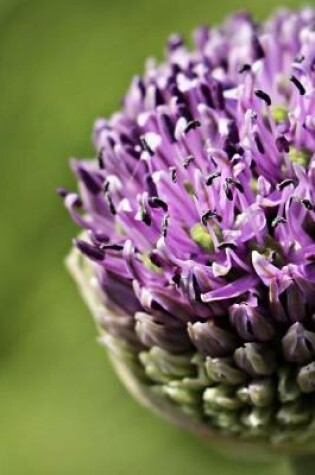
[
  {"x": 149, "y": 264},
  {"x": 280, "y": 114},
  {"x": 201, "y": 236},
  {"x": 189, "y": 188},
  {"x": 120, "y": 230},
  {"x": 300, "y": 157},
  {"x": 254, "y": 185}
]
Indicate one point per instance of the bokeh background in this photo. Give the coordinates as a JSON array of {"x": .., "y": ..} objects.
[{"x": 62, "y": 410}]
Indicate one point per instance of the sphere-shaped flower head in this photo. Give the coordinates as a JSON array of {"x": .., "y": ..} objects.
[{"x": 198, "y": 250}]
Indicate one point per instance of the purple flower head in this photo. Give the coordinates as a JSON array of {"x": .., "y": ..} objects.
[{"x": 199, "y": 225}]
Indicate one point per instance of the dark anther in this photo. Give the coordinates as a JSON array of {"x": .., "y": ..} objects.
[
  {"x": 176, "y": 278},
  {"x": 106, "y": 186},
  {"x": 298, "y": 85},
  {"x": 228, "y": 191},
  {"x": 236, "y": 183},
  {"x": 244, "y": 68},
  {"x": 145, "y": 146},
  {"x": 111, "y": 247},
  {"x": 151, "y": 186},
  {"x": 187, "y": 161},
  {"x": 145, "y": 217},
  {"x": 100, "y": 159},
  {"x": 304, "y": 201},
  {"x": 165, "y": 224},
  {"x": 308, "y": 204},
  {"x": 227, "y": 245},
  {"x": 173, "y": 174},
  {"x": 278, "y": 220},
  {"x": 259, "y": 143},
  {"x": 284, "y": 183},
  {"x": 156, "y": 202},
  {"x": 192, "y": 125},
  {"x": 110, "y": 203},
  {"x": 208, "y": 215},
  {"x": 62, "y": 192},
  {"x": 262, "y": 95},
  {"x": 283, "y": 145},
  {"x": 299, "y": 58},
  {"x": 210, "y": 179},
  {"x": 155, "y": 259}
]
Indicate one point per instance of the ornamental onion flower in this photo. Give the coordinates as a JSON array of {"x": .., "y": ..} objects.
[{"x": 197, "y": 251}]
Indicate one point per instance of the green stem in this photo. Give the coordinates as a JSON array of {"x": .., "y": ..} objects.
[{"x": 303, "y": 465}]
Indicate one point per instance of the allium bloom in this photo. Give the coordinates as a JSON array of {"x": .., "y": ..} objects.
[{"x": 198, "y": 249}]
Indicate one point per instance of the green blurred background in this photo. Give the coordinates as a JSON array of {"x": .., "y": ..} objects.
[{"x": 62, "y": 411}]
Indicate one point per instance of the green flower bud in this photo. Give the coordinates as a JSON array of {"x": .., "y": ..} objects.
[{"x": 223, "y": 370}]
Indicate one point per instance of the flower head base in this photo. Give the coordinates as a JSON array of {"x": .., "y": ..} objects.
[{"x": 199, "y": 228}]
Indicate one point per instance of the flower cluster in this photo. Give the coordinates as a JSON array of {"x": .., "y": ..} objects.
[{"x": 199, "y": 225}]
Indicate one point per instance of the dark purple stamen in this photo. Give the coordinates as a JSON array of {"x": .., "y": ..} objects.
[
  {"x": 106, "y": 186},
  {"x": 187, "y": 161},
  {"x": 227, "y": 245},
  {"x": 262, "y": 95},
  {"x": 307, "y": 204},
  {"x": 192, "y": 125},
  {"x": 236, "y": 183},
  {"x": 173, "y": 174},
  {"x": 299, "y": 58},
  {"x": 209, "y": 215},
  {"x": 110, "y": 203},
  {"x": 228, "y": 191},
  {"x": 100, "y": 159},
  {"x": 62, "y": 192},
  {"x": 278, "y": 220},
  {"x": 145, "y": 146},
  {"x": 156, "y": 202},
  {"x": 244, "y": 68},
  {"x": 284, "y": 184},
  {"x": 111, "y": 247},
  {"x": 165, "y": 224},
  {"x": 210, "y": 179},
  {"x": 145, "y": 217},
  {"x": 298, "y": 85}
]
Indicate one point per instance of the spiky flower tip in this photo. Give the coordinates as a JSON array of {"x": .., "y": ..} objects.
[{"x": 198, "y": 253}]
